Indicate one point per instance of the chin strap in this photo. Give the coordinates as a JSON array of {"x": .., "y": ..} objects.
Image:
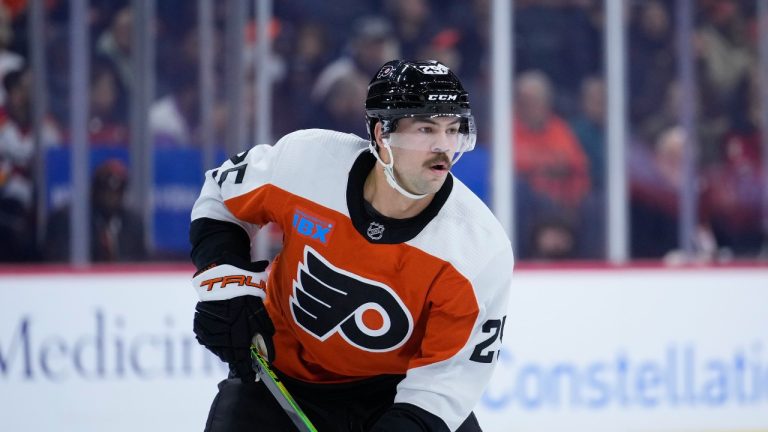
[{"x": 389, "y": 172}]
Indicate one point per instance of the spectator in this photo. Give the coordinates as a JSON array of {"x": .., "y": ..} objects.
[
  {"x": 651, "y": 64},
  {"x": 341, "y": 108},
  {"x": 100, "y": 12},
  {"x": 547, "y": 154},
  {"x": 107, "y": 125},
  {"x": 17, "y": 152},
  {"x": 552, "y": 171},
  {"x": 173, "y": 119},
  {"x": 372, "y": 44},
  {"x": 722, "y": 46},
  {"x": 115, "y": 44},
  {"x": 656, "y": 179},
  {"x": 733, "y": 197},
  {"x": 117, "y": 232},
  {"x": 589, "y": 127},
  {"x": 9, "y": 60},
  {"x": 724, "y": 60}
]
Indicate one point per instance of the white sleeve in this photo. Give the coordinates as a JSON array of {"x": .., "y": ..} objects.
[
  {"x": 450, "y": 389},
  {"x": 244, "y": 173}
]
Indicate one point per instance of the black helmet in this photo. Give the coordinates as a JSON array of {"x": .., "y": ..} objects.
[{"x": 405, "y": 88}]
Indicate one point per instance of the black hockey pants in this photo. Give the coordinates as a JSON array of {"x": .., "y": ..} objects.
[{"x": 249, "y": 407}]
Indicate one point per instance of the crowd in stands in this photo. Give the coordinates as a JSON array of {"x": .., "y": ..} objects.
[{"x": 324, "y": 53}]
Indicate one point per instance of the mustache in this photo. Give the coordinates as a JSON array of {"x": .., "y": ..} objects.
[{"x": 439, "y": 160}]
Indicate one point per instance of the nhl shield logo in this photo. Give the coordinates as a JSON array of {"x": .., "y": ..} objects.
[{"x": 375, "y": 231}]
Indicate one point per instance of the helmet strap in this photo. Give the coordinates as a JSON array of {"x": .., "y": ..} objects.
[{"x": 389, "y": 171}]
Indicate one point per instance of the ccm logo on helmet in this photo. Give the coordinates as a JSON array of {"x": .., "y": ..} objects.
[
  {"x": 239, "y": 280},
  {"x": 442, "y": 97}
]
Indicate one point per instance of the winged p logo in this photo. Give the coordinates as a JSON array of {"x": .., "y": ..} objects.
[{"x": 328, "y": 300}]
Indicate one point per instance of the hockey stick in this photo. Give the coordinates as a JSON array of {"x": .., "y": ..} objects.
[{"x": 275, "y": 386}]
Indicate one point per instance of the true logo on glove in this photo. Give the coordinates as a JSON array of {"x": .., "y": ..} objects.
[{"x": 239, "y": 280}]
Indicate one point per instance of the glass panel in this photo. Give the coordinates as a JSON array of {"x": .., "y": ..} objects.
[
  {"x": 322, "y": 57},
  {"x": 559, "y": 130},
  {"x": 20, "y": 223},
  {"x": 725, "y": 138},
  {"x": 729, "y": 169}
]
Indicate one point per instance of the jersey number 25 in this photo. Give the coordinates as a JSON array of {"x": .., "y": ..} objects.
[{"x": 496, "y": 328}]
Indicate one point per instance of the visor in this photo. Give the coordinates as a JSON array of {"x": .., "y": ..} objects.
[{"x": 426, "y": 135}]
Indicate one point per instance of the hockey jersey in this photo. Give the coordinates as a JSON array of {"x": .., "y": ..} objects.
[{"x": 354, "y": 294}]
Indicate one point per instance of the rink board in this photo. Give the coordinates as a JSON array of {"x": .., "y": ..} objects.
[{"x": 584, "y": 350}]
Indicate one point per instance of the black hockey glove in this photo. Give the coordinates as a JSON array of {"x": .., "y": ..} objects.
[{"x": 231, "y": 312}]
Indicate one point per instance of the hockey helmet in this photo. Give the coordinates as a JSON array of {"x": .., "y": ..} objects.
[{"x": 428, "y": 88}]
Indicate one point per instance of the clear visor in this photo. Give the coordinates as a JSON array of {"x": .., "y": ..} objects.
[{"x": 434, "y": 134}]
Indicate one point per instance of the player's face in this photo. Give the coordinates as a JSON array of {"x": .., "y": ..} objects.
[{"x": 423, "y": 149}]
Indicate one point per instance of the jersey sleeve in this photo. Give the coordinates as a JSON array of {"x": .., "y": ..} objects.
[
  {"x": 449, "y": 388},
  {"x": 218, "y": 228},
  {"x": 250, "y": 173}
]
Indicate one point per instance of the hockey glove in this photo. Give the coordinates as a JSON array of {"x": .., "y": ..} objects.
[{"x": 231, "y": 312}]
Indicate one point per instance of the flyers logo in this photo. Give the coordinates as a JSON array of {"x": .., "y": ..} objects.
[
  {"x": 385, "y": 71},
  {"x": 366, "y": 313}
]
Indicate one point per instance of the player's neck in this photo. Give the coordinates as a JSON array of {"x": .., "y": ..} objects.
[{"x": 389, "y": 202}]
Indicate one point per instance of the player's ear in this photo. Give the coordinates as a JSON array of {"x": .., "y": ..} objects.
[{"x": 377, "y": 134}]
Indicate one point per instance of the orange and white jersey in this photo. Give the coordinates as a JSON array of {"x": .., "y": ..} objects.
[{"x": 354, "y": 294}]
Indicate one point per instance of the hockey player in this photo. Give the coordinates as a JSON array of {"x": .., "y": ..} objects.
[{"x": 385, "y": 308}]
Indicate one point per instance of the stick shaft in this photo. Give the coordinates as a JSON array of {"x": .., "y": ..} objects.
[{"x": 280, "y": 393}]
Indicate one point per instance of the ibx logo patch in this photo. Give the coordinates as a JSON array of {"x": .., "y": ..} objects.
[
  {"x": 366, "y": 313},
  {"x": 311, "y": 226}
]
